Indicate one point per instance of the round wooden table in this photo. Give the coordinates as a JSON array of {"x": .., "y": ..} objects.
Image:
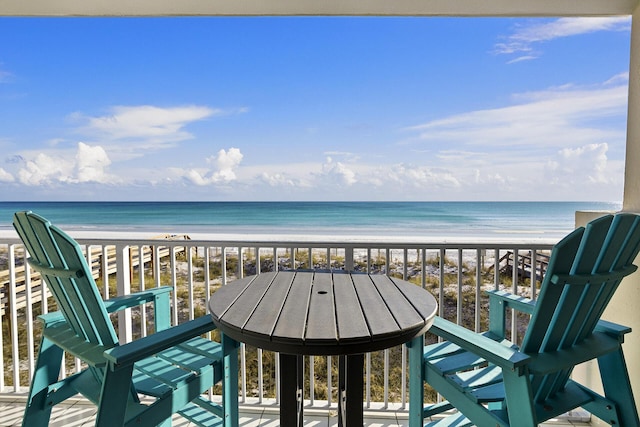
[{"x": 300, "y": 313}]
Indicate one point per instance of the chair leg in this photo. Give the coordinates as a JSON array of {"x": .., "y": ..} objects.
[
  {"x": 416, "y": 377},
  {"x": 615, "y": 381},
  {"x": 230, "y": 381},
  {"x": 519, "y": 400},
  {"x": 47, "y": 370},
  {"x": 116, "y": 391}
]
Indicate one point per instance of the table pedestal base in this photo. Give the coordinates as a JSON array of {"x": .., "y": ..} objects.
[{"x": 350, "y": 386}]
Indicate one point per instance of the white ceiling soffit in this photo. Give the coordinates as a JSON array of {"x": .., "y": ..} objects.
[{"x": 316, "y": 7}]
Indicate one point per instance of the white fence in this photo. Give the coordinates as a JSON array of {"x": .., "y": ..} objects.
[{"x": 456, "y": 273}]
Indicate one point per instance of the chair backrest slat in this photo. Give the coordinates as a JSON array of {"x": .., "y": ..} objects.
[
  {"x": 559, "y": 262},
  {"x": 624, "y": 247},
  {"x": 575, "y": 307},
  {"x": 77, "y": 297}
]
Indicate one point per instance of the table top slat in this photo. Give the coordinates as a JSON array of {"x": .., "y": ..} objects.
[
  {"x": 321, "y": 319},
  {"x": 403, "y": 311},
  {"x": 291, "y": 324},
  {"x": 421, "y": 300},
  {"x": 264, "y": 318},
  {"x": 242, "y": 308},
  {"x": 352, "y": 325},
  {"x": 223, "y": 298},
  {"x": 379, "y": 318}
]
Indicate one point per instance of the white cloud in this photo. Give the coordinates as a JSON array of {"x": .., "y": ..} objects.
[
  {"x": 423, "y": 176},
  {"x": 522, "y": 59},
  {"x": 338, "y": 172},
  {"x": 6, "y": 176},
  {"x": 346, "y": 156},
  {"x": 225, "y": 165},
  {"x": 489, "y": 178},
  {"x": 563, "y": 142},
  {"x": 446, "y": 174},
  {"x": 131, "y": 131},
  {"x": 525, "y": 37},
  {"x": 581, "y": 164},
  {"x": 287, "y": 176},
  {"x": 278, "y": 180},
  {"x": 226, "y": 162},
  {"x": 196, "y": 176},
  {"x": 91, "y": 164},
  {"x": 557, "y": 117},
  {"x": 618, "y": 79},
  {"x": 543, "y": 142},
  {"x": 86, "y": 164},
  {"x": 147, "y": 122},
  {"x": 337, "y": 179},
  {"x": 45, "y": 169}
]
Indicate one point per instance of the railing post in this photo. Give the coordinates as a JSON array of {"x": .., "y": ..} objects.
[
  {"x": 405, "y": 267},
  {"x": 479, "y": 266},
  {"x": 223, "y": 265},
  {"x": 534, "y": 273},
  {"x": 29, "y": 295},
  {"x": 348, "y": 259},
  {"x": 12, "y": 314},
  {"x": 190, "y": 280},
  {"x": 514, "y": 291},
  {"x": 123, "y": 283}
]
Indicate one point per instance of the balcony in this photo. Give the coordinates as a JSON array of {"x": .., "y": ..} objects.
[{"x": 456, "y": 273}]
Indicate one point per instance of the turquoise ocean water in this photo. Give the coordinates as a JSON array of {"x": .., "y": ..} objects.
[{"x": 542, "y": 219}]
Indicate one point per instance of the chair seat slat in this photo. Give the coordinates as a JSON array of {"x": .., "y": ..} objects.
[
  {"x": 186, "y": 359},
  {"x": 149, "y": 386}
]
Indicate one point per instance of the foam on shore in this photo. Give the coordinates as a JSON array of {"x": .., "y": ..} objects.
[{"x": 524, "y": 236}]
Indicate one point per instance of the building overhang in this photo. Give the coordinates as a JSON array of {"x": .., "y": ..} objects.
[{"x": 468, "y": 8}]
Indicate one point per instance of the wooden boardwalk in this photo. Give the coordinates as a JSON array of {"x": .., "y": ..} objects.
[
  {"x": 524, "y": 264},
  {"x": 97, "y": 270}
]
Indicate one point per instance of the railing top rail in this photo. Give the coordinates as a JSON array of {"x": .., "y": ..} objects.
[{"x": 435, "y": 243}]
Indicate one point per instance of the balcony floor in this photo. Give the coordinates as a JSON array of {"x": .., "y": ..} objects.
[{"x": 81, "y": 413}]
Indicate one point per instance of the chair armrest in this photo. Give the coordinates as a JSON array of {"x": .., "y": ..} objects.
[
  {"x": 134, "y": 351},
  {"x": 516, "y": 302},
  {"x": 499, "y": 301},
  {"x": 135, "y": 299},
  {"x": 488, "y": 349},
  {"x": 612, "y": 329},
  {"x": 52, "y": 317}
]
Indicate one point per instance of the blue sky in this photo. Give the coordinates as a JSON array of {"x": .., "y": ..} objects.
[{"x": 313, "y": 108}]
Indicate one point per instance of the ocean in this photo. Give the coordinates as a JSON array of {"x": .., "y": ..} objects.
[{"x": 383, "y": 219}]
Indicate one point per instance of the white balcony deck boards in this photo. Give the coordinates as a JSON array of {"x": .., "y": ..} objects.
[{"x": 80, "y": 413}]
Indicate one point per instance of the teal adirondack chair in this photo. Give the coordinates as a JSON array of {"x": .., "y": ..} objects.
[
  {"x": 170, "y": 369},
  {"x": 491, "y": 382}
]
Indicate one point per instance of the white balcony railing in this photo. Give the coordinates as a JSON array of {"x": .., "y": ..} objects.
[{"x": 456, "y": 273}]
